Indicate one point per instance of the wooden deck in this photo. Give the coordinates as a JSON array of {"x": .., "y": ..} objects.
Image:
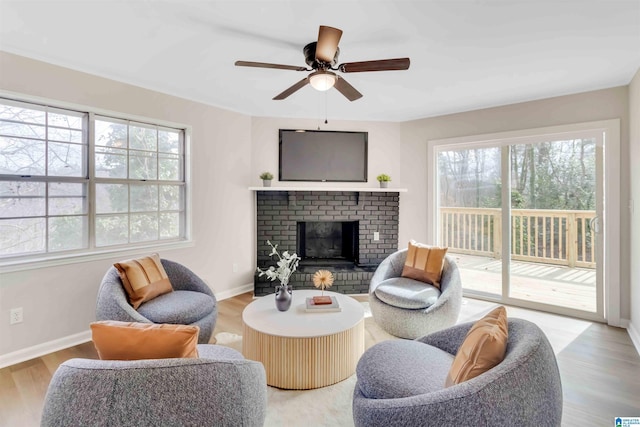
[{"x": 549, "y": 284}]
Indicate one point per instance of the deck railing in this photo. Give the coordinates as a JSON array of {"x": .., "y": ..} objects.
[{"x": 547, "y": 236}]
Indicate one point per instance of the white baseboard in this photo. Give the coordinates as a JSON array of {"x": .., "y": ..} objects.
[
  {"x": 82, "y": 337},
  {"x": 44, "y": 348},
  {"x": 634, "y": 334},
  {"x": 233, "y": 292}
]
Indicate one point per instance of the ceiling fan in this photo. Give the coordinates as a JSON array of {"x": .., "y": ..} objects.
[{"x": 322, "y": 57}]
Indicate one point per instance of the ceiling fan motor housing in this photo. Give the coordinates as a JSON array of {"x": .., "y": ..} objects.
[{"x": 310, "y": 57}]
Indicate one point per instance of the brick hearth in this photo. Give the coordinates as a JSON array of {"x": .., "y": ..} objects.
[{"x": 279, "y": 211}]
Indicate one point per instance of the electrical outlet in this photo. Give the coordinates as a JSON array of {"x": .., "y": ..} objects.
[
  {"x": 376, "y": 236},
  {"x": 15, "y": 316},
  {"x": 235, "y": 267}
]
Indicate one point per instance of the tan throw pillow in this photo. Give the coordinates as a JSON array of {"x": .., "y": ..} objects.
[
  {"x": 143, "y": 279},
  {"x": 424, "y": 263},
  {"x": 483, "y": 348},
  {"x": 133, "y": 341}
]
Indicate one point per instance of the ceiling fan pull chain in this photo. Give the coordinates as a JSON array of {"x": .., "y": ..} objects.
[{"x": 325, "y": 108}]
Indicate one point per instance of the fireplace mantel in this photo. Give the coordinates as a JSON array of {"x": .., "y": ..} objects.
[{"x": 352, "y": 189}]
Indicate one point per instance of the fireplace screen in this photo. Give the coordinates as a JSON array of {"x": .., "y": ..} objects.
[{"x": 327, "y": 240}]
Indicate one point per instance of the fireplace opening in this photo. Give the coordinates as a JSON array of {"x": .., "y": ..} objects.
[{"x": 331, "y": 243}]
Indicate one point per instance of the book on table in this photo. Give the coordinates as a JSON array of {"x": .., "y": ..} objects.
[
  {"x": 313, "y": 307},
  {"x": 324, "y": 299}
]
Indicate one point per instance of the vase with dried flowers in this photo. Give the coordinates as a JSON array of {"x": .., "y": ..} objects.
[
  {"x": 287, "y": 265},
  {"x": 322, "y": 279}
]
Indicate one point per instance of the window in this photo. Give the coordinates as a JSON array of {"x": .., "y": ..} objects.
[
  {"x": 138, "y": 182},
  {"x": 66, "y": 189}
]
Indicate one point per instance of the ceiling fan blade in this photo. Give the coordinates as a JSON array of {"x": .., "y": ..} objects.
[
  {"x": 302, "y": 83},
  {"x": 346, "y": 89},
  {"x": 328, "y": 39},
  {"x": 268, "y": 65},
  {"x": 380, "y": 65}
]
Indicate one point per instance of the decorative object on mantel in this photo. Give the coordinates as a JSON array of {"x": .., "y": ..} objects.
[
  {"x": 287, "y": 265},
  {"x": 383, "y": 179},
  {"x": 266, "y": 178},
  {"x": 322, "y": 279}
]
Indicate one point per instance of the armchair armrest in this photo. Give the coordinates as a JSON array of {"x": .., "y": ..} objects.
[
  {"x": 112, "y": 302},
  {"x": 391, "y": 267},
  {"x": 449, "y": 339},
  {"x": 183, "y": 279}
]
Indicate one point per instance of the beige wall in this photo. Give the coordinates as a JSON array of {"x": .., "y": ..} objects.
[
  {"x": 60, "y": 301},
  {"x": 586, "y": 107},
  {"x": 634, "y": 162},
  {"x": 229, "y": 151}
]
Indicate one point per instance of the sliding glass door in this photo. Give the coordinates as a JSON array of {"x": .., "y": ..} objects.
[
  {"x": 554, "y": 222},
  {"x": 523, "y": 220},
  {"x": 470, "y": 212}
]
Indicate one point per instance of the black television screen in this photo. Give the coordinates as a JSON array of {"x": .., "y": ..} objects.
[{"x": 314, "y": 155}]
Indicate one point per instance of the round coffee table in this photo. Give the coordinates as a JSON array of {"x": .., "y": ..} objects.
[{"x": 301, "y": 350}]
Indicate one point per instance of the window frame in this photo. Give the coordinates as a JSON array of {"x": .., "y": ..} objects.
[{"x": 93, "y": 252}]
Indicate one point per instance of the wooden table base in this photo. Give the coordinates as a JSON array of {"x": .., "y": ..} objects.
[{"x": 305, "y": 363}]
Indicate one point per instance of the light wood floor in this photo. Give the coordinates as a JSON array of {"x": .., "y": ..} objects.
[{"x": 599, "y": 366}]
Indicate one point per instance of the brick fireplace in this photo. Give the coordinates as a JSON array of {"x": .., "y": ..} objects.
[{"x": 331, "y": 230}]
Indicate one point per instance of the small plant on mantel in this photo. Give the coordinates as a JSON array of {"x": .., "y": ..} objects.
[
  {"x": 266, "y": 178},
  {"x": 383, "y": 179}
]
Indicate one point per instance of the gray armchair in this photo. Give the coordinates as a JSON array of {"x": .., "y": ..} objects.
[
  {"x": 220, "y": 388},
  {"x": 413, "y": 323},
  {"x": 401, "y": 383},
  {"x": 191, "y": 303}
]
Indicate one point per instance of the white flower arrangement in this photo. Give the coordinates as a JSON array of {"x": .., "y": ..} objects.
[{"x": 287, "y": 265}]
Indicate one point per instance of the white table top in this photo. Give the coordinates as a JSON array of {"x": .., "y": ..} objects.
[{"x": 263, "y": 316}]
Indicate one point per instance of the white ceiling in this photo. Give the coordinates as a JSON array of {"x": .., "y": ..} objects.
[{"x": 465, "y": 54}]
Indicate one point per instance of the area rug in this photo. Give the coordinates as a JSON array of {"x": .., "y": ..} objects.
[{"x": 326, "y": 406}]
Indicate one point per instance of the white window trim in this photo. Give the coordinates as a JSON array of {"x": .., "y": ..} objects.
[
  {"x": 53, "y": 259},
  {"x": 612, "y": 263}
]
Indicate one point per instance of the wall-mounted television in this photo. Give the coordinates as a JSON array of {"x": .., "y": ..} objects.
[{"x": 324, "y": 156}]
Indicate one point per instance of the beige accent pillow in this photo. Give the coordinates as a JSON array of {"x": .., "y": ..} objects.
[
  {"x": 482, "y": 349},
  {"x": 424, "y": 263},
  {"x": 143, "y": 279},
  {"x": 116, "y": 340}
]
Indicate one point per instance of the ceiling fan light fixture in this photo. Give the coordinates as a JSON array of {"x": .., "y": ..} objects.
[{"x": 322, "y": 80}]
